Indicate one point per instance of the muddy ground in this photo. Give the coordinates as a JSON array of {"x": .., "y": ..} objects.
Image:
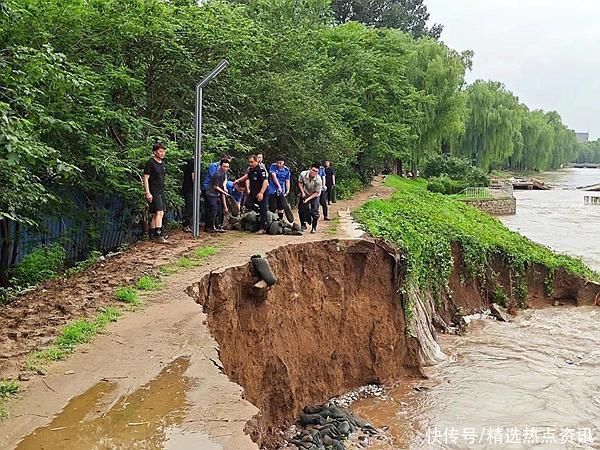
[{"x": 139, "y": 346}]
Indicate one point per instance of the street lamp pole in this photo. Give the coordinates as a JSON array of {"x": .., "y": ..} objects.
[{"x": 198, "y": 143}]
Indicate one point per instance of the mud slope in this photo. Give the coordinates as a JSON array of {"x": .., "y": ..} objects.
[{"x": 332, "y": 322}]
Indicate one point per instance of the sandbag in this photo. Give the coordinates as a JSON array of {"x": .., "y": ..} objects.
[
  {"x": 275, "y": 228},
  {"x": 233, "y": 207},
  {"x": 264, "y": 270},
  {"x": 287, "y": 209}
]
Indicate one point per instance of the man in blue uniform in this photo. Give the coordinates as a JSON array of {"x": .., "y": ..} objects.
[
  {"x": 279, "y": 186},
  {"x": 323, "y": 196}
]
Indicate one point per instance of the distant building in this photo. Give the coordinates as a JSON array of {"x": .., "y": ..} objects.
[{"x": 582, "y": 137}]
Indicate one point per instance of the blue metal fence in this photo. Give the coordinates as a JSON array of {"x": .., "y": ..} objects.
[{"x": 115, "y": 225}]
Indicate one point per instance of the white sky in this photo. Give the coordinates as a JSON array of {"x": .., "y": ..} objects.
[{"x": 547, "y": 52}]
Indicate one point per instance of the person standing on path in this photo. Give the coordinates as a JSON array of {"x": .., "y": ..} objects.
[
  {"x": 311, "y": 185},
  {"x": 257, "y": 182},
  {"x": 216, "y": 195},
  {"x": 279, "y": 186},
  {"x": 154, "y": 188},
  {"x": 187, "y": 190},
  {"x": 323, "y": 195},
  {"x": 330, "y": 182}
]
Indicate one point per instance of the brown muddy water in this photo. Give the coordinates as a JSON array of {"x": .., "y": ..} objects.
[
  {"x": 532, "y": 383},
  {"x": 148, "y": 418}
]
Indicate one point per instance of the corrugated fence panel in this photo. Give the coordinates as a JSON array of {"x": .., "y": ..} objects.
[{"x": 117, "y": 225}]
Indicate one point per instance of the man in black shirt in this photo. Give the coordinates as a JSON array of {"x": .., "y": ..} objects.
[
  {"x": 188, "y": 194},
  {"x": 154, "y": 187},
  {"x": 330, "y": 182},
  {"x": 216, "y": 194},
  {"x": 257, "y": 181}
]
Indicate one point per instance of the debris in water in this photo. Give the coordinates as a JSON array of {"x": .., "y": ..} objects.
[
  {"x": 329, "y": 426},
  {"x": 370, "y": 390}
]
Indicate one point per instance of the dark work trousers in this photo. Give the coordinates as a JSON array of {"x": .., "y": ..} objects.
[
  {"x": 323, "y": 202},
  {"x": 314, "y": 210},
  {"x": 309, "y": 212},
  {"x": 259, "y": 207},
  {"x": 303, "y": 212},
  {"x": 330, "y": 194},
  {"x": 215, "y": 212},
  {"x": 188, "y": 210}
]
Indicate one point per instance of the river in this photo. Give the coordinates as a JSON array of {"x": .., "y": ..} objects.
[{"x": 531, "y": 383}]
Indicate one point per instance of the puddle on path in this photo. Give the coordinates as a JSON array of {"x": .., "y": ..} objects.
[{"x": 148, "y": 418}]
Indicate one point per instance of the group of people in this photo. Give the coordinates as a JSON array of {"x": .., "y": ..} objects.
[{"x": 259, "y": 189}]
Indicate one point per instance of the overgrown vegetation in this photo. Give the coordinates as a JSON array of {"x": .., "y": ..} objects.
[
  {"x": 8, "y": 388},
  {"x": 147, "y": 283},
  {"x": 42, "y": 264},
  {"x": 78, "y": 332},
  {"x": 87, "y": 87},
  {"x": 187, "y": 262},
  {"x": 127, "y": 295},
  {"x": 425, "y": 225}
]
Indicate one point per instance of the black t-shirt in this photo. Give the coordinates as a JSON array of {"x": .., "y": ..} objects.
[
  {"x": 188, "y": 182},
  {"x": 329, "y": 173},
  {"x": 257, "y": 176},
  {"x": 157, "y": 172}
]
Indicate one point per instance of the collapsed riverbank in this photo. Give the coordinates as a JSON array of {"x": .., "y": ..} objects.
[{"x": 345, "y": 313}]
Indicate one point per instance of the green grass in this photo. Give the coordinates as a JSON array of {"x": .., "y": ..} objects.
[
  {"x": 187, "y": 262},
  {"x": 127, "y": 294},
  {"x": 77, "y": 332},
  {"x": 333, "y": 226},
  {"x": 425, "y": 225},
  {"x": 8, "y": 388},
  {"x": 204, "y": 252},
  {"x": 147, "y": 283}
]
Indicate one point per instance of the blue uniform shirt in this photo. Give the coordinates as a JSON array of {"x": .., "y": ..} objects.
[
  {"x": 237, "y": 196},
  {"x": 322, "y": 175},
  {"x": 212, "y": 169},
  {"x": 282, "y": 175}
]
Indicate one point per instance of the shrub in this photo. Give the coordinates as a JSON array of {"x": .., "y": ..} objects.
[
  {"x": 347, "y": 187},
  {"x": 42, "y": 264},
  {"x": 445, "y": 185},
  {"x": 455, "y": 169}
]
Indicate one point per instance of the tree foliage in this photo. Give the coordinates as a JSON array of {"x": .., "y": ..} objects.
[
  {"x": 87, "y": 87},
  {"x": 410, "y": 16}
]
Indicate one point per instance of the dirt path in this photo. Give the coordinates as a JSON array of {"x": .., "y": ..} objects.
[{"x": 135, "y": 350}]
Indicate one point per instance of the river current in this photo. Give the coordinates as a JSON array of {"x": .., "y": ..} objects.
[{"x": 531, "y": 383}]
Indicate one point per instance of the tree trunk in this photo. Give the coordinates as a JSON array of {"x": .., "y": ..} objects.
[
  {"x": 4, "y": 256},
  {"x": 15, "y": 248}
]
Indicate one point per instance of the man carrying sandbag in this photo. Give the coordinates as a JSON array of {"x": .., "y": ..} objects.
[
  {"x": 310, "y": 184},
  {"x": 279, "y": 187}
]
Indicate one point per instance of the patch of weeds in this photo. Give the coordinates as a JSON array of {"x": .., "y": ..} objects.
[
  {"x": 499, "y": 296},
  {"x": 78, "y": 332},
  {"x": 85, "y": 264},
  {"x": 127, "y": 294},
  {"x": 8, "y": 388},
  {"x": 168, "y": 269},
  {"x": 204, "y": 252},
  {"x": 185, "y": 262},
  {"x": 43, "y": 263},
  {"x": 549, "y": 284},
  {"x": 333, "y": 227},
  {"x": 147, "y": 283}
]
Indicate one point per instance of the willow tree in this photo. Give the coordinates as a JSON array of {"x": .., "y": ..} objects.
[
  {"x": 492, "y": 131},
  {"x": 438, "y": 73}
]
